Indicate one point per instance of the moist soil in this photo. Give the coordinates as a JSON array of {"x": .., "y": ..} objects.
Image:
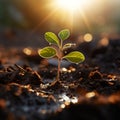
[{"x": 87, "y": 91}]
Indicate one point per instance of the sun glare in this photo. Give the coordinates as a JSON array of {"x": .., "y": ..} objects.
[{"x": 72, "y": 4}]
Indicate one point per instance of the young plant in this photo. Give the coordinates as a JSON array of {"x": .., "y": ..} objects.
[{"x": 52, "y": 51}]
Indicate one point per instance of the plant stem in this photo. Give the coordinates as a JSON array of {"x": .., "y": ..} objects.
[
  {"x": 59, "y": 60},
  {"x": 58, "y": 71}
]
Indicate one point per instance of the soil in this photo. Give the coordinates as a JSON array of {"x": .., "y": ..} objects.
[{"x": 89, "y": 90}]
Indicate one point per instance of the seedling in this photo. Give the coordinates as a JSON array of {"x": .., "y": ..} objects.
[{"x": 57, "y": 49}]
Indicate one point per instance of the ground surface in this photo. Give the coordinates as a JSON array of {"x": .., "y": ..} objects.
[{"x": 90, "y": 90}]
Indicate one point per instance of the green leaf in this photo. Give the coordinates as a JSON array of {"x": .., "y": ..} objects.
[
  {"x": 47, "y": 52},
  {"x": 64, "y": 34},
  {"x": 75, "y": 57},
  {"x": 52, "y": 38},
  {"x": 68, "y": 45}
]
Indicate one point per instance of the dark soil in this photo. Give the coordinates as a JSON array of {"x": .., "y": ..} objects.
[{"x": 88, "y": 91}]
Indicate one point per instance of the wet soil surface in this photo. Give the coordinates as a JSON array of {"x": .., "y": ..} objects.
[{"x": 90, "y": 90}]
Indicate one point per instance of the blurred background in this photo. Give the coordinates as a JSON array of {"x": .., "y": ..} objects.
[{"x": 29, "y": 19}]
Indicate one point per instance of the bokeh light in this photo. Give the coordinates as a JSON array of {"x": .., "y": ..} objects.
[
  {"x": 104, "y": 41},
  {"x": 27, "y": 51},
  {"x": 88, "y": 37}
]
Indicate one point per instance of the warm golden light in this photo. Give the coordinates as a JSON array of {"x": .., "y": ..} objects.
[
  {"x": 62, "y": 106},
  {"x": 69, "y": 4},
  {"x": 90, "y": 94},
  {"x": 73, "y": 4},
  {"x": 104, "y": 41},
  {"x": 88, "y": 37},
  {"x": 27, "y": 51}
]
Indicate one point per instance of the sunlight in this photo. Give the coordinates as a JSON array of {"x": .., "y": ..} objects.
[
  {"x": 76, "y": 11},
  {"x": 72, "y": 5}
]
